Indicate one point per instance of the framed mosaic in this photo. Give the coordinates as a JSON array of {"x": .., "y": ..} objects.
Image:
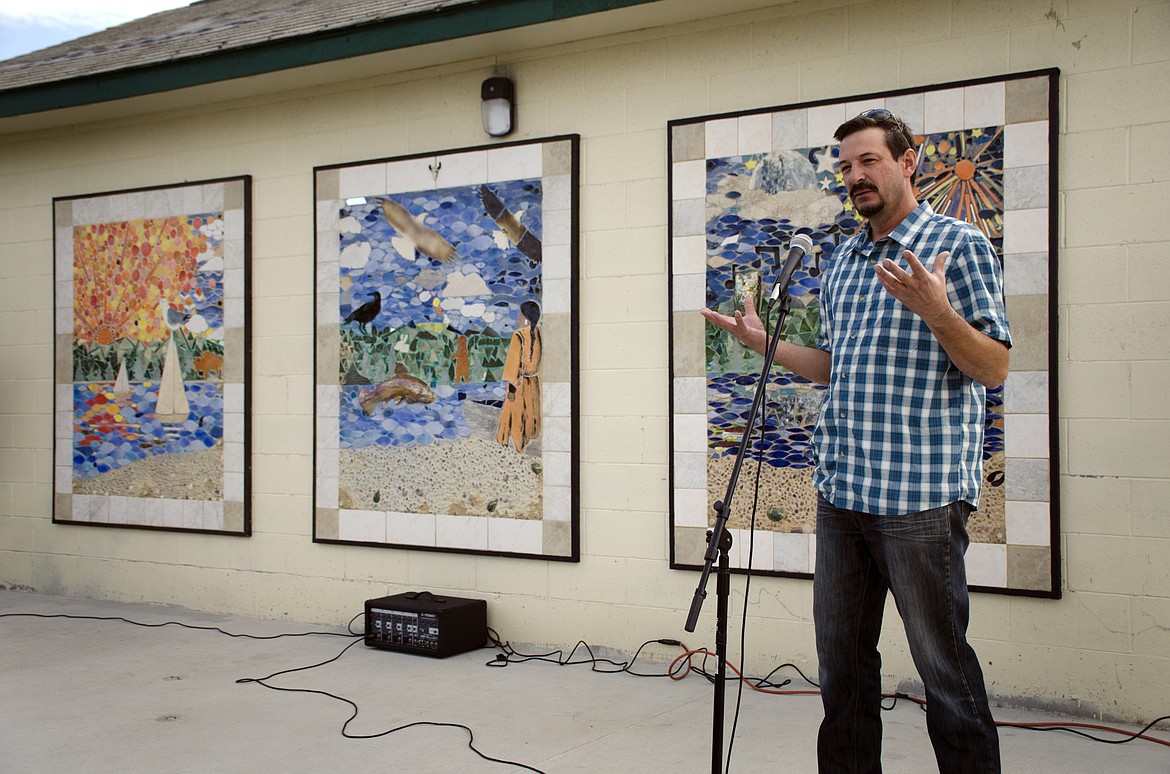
[
  {"x": 446, "y": 361},
  {"x": 741, "y": 185},
  {"x": 151, "y": 358}
]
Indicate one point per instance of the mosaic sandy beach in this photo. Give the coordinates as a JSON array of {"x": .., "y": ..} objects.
[
  {"x": 788, "y": 504},
  {"x": 469, "y": 476},
  {"x": 196, "y": 475}
]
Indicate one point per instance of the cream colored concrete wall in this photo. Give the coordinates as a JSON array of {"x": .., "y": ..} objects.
[{"x": 1103, "y": 649}]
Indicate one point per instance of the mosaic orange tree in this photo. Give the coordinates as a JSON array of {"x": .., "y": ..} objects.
[{"x": 124, "y": 271}]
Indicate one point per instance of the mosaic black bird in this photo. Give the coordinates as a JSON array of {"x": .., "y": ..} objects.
[{"x": 366, "y": 312}]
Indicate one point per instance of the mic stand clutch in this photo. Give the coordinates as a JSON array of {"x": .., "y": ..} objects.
[{"x": 719, "y": 539}]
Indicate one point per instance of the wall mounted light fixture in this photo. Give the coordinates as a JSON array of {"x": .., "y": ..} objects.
[{"x": 498, "y": 110}]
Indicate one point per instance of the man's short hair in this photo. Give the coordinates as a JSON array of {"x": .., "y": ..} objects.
[{"x": 899, "y": 138}]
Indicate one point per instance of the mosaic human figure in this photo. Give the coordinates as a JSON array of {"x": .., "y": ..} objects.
[
  {"x": 520, "y": 417},
  {"x": 462, "y": 361}
]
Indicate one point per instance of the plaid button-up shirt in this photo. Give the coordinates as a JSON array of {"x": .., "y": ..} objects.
[{"x": 901, "y": 428}]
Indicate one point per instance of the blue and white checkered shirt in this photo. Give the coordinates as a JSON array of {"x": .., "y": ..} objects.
[{"x": 901, "y": 428}]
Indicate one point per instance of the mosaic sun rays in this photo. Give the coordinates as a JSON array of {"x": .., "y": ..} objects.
[
  {"x": 741, "y": 185},
  {"x": 446, "y": 372},
  {"x": 151, "y": 351}
]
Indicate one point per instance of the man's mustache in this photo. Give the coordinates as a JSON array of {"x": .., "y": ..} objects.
[{"x": 862, "y": 187}]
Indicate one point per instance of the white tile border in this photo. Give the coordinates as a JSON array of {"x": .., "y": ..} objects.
[
  {"x": 792, "y": 552},
  {"x": 515, "y": 162},
  {"x": 754, "y": 136},
  {"x": 486, "y": 165},
  {"x": 987, "y": 565},
  {"x": 515, "y": 536},
  {"x": 688, "y": 179},
  {"x": 465, "y": 532},
  {"x": 175, "y": 200},
  {"x": 1028, "y": 523},
  {"x": 1026, "y": 246}
]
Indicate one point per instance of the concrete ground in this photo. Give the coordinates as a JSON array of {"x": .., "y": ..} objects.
[{"x": 109, "y": 697}]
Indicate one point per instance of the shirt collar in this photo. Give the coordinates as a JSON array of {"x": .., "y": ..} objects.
[
  {"x": 912, "y": 224},
  {"x": 905, "y": 232}
]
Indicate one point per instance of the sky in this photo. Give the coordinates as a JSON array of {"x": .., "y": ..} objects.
[{"x": 30, "y": 25}]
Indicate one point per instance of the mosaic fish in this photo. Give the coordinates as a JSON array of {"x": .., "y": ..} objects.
[{"x": 402, "y": 387}]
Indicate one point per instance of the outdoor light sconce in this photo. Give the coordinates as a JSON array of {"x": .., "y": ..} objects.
[{"x": 498, "y": 111}]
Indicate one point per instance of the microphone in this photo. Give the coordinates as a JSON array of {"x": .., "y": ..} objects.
[{"x": 800, "y": 246}]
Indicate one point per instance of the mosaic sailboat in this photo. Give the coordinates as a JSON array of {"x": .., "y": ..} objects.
[
  {"x": 122, "y": 382},
  {"x": 172, "y": 404}
]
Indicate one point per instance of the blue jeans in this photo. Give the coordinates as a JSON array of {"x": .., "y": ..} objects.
[{"x": 919, "y": 557}]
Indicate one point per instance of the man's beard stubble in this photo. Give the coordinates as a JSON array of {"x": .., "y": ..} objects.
[{"x": 870, "y": 209}]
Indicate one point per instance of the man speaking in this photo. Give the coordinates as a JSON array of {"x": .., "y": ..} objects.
[{"x": 913, "y": 330}]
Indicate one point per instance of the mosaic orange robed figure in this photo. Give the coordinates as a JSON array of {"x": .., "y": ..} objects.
[
  {"x": 462, "y": 360},
  {"x": 520, "y": 417}
]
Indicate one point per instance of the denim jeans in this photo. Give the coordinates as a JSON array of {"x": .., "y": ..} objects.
[{"x": 919, "y": 557}]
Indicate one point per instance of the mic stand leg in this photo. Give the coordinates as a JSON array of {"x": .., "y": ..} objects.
[
  {"x": 722, "y": 594},
  {"x": 719, "y": 542}
]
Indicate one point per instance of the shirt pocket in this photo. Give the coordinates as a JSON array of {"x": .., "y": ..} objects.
[{"x": 897, "y": 331}]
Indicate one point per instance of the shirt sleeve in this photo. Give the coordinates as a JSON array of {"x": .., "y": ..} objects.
[
  {"x": 825, "y": 332},
  {"x": 975, "y": 285}
]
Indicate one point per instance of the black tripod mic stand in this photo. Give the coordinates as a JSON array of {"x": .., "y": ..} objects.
[{"x": 719, "y": 538}]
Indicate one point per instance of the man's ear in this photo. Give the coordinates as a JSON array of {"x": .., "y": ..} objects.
[{"x": 909, "y": 163}]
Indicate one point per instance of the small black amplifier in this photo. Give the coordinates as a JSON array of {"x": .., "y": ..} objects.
[{"x": 420, "y": 622}]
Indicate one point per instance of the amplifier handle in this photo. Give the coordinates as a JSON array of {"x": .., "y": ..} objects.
[{"x": 417, "y": 594}]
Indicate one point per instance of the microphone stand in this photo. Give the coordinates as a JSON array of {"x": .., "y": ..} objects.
[{"x": 719, "y": 537}]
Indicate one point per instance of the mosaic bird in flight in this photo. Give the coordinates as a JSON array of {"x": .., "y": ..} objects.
[
  {"x": 525, "y": 241},
  {"x": 424, "y": 239}
]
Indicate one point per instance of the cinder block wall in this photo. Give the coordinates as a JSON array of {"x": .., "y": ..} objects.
[{"x": 1103, "y": 649}]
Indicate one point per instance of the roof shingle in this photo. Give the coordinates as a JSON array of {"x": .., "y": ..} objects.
[{"x": 202, "y": 29}]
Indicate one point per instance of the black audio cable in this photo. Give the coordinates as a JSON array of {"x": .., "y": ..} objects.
[
  {"x": 353, "y": 705},
  {"x": 683, "y": 665},
  {"x": 355, "y": 636},
  {"x": 678, "y": 670},
  {"x": 184, "y": 625}
]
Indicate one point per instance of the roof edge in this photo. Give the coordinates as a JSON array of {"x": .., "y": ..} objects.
[{"x": 386, "y": 35}]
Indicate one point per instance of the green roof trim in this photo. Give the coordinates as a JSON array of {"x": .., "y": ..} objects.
[{"x": 433, "y": 26}]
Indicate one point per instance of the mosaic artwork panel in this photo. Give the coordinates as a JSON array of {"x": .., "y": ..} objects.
[
  {"x": 445, "y": 362},
  {"x": 741, "y": 187},
  {"x": 150, "y": 343}
]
